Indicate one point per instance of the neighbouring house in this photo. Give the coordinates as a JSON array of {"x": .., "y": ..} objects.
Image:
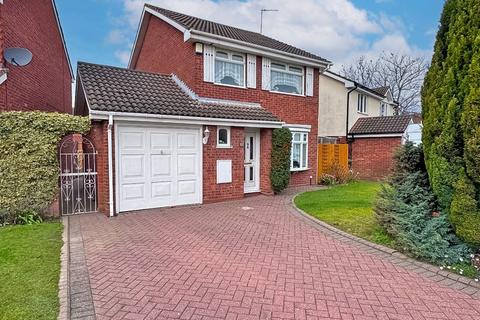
[
  {"x": 191, "y": 119},
  {"x": 46, "y": 82},
  {"x": 343, "y": 101},
  {"x": 373, "y": 141}
]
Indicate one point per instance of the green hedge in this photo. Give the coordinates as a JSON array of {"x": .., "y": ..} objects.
[
  {"x": 28, "y": 159},
  {"x": 281, "y": 148}
]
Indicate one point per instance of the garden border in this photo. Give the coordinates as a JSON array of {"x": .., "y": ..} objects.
[{"x": 433, "y": 273}]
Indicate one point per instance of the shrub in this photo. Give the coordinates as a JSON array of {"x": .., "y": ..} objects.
[
  {"x": 28, "y": 159},
  {"x": 281, "y": 148},
  {"x": 407, "y": 209},
  {"x": 337, "y": 174},
  {"x": 327, "y": 179}
]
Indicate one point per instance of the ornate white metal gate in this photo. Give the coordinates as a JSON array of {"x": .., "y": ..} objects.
[{"x": 78, "y": 175}]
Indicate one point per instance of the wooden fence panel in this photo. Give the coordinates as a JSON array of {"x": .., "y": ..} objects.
[{"x": 328, "y": 154}]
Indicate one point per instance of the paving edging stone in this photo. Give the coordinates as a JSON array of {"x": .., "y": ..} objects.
[
  {"x": 63, "y": 283},
  {"x": 434, "y": 273}
]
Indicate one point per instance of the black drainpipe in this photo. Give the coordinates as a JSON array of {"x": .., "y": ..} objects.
[
  {"x": 346, "y": 125},
  {"x": 348, "y": 108}
]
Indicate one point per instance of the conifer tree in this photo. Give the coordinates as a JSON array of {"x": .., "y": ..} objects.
[{"x": 451, "y": 115}]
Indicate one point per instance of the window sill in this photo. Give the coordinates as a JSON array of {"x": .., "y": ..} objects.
[
  {"x": 229, "y": 85},
  {"x": 363, "y": 113},
  {"x": 224, "y": 147},
  {"x": 299, "y": 169},
  {"x": 287, "y": 94}
]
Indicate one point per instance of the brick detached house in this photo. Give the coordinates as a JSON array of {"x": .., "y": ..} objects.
[
  {"x": 191, "y": 119},
  {"x": 374, "y": 141},
  {"x": 46, "y": 82}
]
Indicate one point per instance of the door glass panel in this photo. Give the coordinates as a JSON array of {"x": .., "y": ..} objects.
[
  {"x": 251, "y": 148},
  {"x": 251, "y": 173}
]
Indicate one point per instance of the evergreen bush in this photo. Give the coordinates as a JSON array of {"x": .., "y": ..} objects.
[
  {"x": 451, "y": 117},
  {"x": 28, "y": 159},
  {"x": 407, "y": 209},
  {"x": 281, "y": 149}
]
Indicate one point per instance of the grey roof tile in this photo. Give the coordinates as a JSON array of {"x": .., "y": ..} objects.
[
  {"x": 381, "y": 90},
  {"x": 194, "y": 23},
  {"x": 381, "y": 125},
  {"x": 116, "y": 89}
]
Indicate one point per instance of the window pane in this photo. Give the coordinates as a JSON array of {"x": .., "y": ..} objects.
[
  {"x": 221, "y": 54},
  {"x": 304, "y": 156},
  {"x": 296, "y": 137},
  {"x": 296, "y": 155},
  {"x": 285, "y": 82},
  {"x": 278, "y": 66},
  {"x": 237, "y": 57},
  {"x": 229, "y": 73},
  {"x": 304, "y": 137},
  {"x": 223, "y": 136},
  {"x": 295, "y": 69}
]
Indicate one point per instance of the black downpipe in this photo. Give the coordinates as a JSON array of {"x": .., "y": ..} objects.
[{"x": 346, "y": 126}]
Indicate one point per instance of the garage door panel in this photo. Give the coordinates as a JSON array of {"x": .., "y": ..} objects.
[
  {"x": 161, "y": 190},
  {"x": 187, "y": 187},
  {"x": 186, "y": 140},
  {"x": 132, "y": 141},
  {"x": 133, "y": 191},
  {"x": 186, "y": 164},
  {"x": 132, "y": 166},
  {"x": 158, "y": 167},
  {"x": 161, "y": 166},
  {"x": 160, "y": 141}
]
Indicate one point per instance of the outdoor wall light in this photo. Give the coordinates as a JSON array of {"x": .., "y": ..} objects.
[{"x": 206, "y": 135}]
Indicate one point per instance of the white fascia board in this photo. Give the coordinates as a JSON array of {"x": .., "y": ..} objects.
[
  {"x": 139, "y": 28},
  {"x": 371, "y": 94},
  {"x": 194, "y": 35},
  {"x": 166, "y": 19},
  {"x": 298, "y": 127},
  {"x": 380, "y": 135},
  {"x": 159, "y": 118}
]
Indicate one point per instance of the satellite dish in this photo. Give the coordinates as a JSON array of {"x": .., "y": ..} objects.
[{"x": 17, "y": 56}]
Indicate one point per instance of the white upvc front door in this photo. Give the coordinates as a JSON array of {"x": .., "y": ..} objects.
[{"x": 252, "y": 161}]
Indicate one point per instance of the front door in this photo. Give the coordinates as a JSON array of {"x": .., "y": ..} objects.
[{"x": 252, "y": 161}]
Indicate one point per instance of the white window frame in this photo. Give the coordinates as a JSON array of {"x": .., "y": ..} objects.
[
  {"x": 383, "y": 109},
  {"x": 287, "y": 67},
  {"x": 229, "y": 139},
  {"x": 303, "y": 144},
  {"x": 362, "y": 103},
  {"x": 230, "y": 60}
]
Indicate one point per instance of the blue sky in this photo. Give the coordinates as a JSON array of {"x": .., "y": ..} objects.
[{"x": 102, "y": 31}]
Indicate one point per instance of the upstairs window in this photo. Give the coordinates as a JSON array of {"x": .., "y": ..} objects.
[
  {"x": 299, "y": 157},
  {"x": 362, "y": 103},
  {"x": 286, "y": 78},
  {"x": 229, "y": 68},
  {"x": 383, "y": 109}
]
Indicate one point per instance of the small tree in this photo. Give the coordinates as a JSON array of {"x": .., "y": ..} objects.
[{"x": 280, "y": 169}]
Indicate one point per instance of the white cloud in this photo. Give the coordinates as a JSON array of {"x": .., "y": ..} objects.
[
  {"x": 335, "y": 29},
  {"x": 123, "y": 56},
  {"x": 116, "y": 36}
]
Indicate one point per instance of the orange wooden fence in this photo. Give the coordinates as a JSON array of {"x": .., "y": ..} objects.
[{"x": 328, "y": 154}]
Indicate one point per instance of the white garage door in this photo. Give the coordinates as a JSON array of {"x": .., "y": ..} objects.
[{"x": 158, "y": 167}]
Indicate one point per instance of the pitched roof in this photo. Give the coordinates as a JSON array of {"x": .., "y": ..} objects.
[
  {"x": 116, "y": 89},
  {"x": 194, "y": 23},
  {"x": 381, "y": 90},
  {"x": 359, "y": 85},
  {"x": 381, "y": 125}
]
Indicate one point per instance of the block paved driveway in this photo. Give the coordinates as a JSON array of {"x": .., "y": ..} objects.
[{"x": 249, "y": 259}]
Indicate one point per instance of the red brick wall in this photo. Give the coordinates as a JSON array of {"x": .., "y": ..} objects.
[
  {"x": 99, "y": 136},
  {"x": 224, "y": 191},
  {"x": 372, "y": 158},
  {"x": 44, "y": 84},
  {"x": 164, "y": 51}
]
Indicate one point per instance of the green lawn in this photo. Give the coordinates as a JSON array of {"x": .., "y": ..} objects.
[
  {"x": 347, "y": 207},
  {"x": 29, "y": 271}
]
